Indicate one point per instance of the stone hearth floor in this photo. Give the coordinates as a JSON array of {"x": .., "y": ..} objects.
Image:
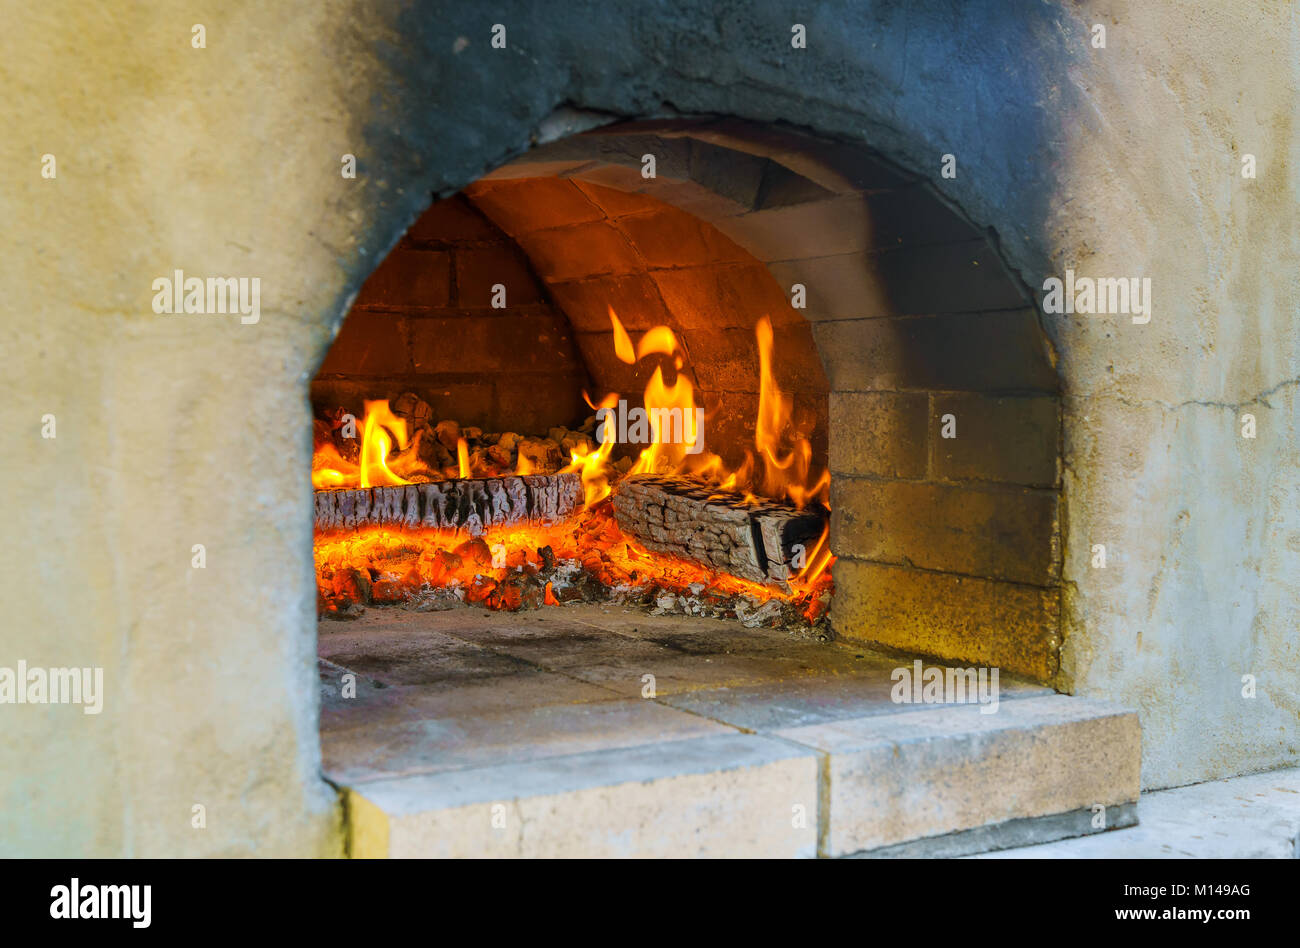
[{"x": 486, "y": 733}]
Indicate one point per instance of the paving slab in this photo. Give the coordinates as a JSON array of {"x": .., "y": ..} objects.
[
  {"x": 452, "y": 742},
  {"x": 902, "y": 777},
  {"x": 412, "y": 653},
  {"x": 734, "y": 796},
  {"x": 616, "y": 648},
  {"x": 375, "y": 703},
  {"x": 820, "y": 699}
]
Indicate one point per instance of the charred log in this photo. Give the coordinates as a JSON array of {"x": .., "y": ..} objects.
[
  {"x": 720, "y": 529},
  {"x": 470, "y": 504}
]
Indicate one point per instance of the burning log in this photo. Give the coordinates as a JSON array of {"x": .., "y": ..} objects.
[
  {"x": 755, "y": 541},
  {"x": 470, "y": 504}
]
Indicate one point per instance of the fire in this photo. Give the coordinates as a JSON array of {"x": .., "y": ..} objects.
[
  {"x": 495, "y": 569},
  {"x": 593, "y": 465},
  {"x": 501, "y": 568},
  {"x": 385, "y": 454},
  {"x": 382, "y": 430},
  {"x": 779, "y": 466},
  {"x": 782, "y": 448}
]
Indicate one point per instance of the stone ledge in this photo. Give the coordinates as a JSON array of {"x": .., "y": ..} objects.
[
  {"x": 724, "y": 796},
  {"x": 942, "y": 782},
  {"x": 898, "y": 778}
]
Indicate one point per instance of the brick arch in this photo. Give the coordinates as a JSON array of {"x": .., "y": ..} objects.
[
  {"x": 948, "y": 547},
  {"x": 597, "y": 248}
]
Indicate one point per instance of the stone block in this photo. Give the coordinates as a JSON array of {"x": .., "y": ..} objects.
[
  {"x": 947, "y": 278},
  {"x": 841, "y": 225},
  {"x": 1008, "y": 440},
  {"x": 861, "y": 355},
  {"x": 609, "y": 373},
  {"x": 983, "y": 352},
  {"x": 489, "y": 345},
  {"x": 830, "y": 165},
  {"x": 672, "y": 153},
  {"x": 368, "y": 343},
  {"x": 953, "y": 618},
  {"x": 693, "y": 198},
  {"x": 478, "y": 269},
  {"x": 582, "y": 250},
  {"x": 454, "y": 220},
  {"x": 470, "y": 403},
  {"x": 619, "y": 198},
  {"x": 927, "y": 773},
  {"x": 722, "y": 297},
  {"x": 878, "y": 433},
  {"x": 733, "y": 174},
  {"x": 727, "y": 360},
  {"x": 729, "y": 424},
  {"x": 732, "y": 796},
  {"x": 634, "y": 297},
  {"x": 914, "y": 216},
  {"x": 672, "y": 238},
  {"x": 782, "y": 187},
  {"x": 928, "y": 280},
  {"x": 539, "y": 401},
  {"x": 1009, "y": 534},
  {"x": 843, "y": 286},
  {"x": 524, "y": 205},
  {"x": 409, "y": 277},
  {"x": 628, "y": 148},
  {"x": 390, "y": 745}
]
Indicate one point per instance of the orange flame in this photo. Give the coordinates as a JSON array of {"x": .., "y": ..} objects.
[
  {"x": 660, "y": 339},
  {"x": 622, "y": 342},
  {"x": 381, "y": 429},
  {"x": 592, "y": 465},
  {"x": 675, "y": 439},
  {"x": 785, "y": 471},
  {"x": 385, "y": 459}
]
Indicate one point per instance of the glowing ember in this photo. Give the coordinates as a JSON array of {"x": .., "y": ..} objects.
[{"x": 586, "y": 556}]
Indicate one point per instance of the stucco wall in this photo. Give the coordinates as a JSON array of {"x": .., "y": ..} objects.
[
  {"x": 179, "y": 430},
  {"x": 1202, "y": 525}
]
